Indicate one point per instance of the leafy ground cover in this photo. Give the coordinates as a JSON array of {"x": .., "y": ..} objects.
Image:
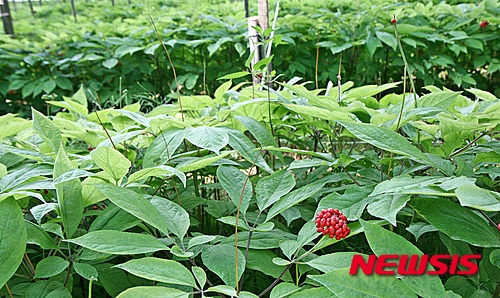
[
  {"x": 114, "y": 50},
  {"x": 216, "y": 193}
]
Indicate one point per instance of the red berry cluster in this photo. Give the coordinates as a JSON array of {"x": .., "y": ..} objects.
[
  {"x": 483, "y": 24},
  {"x": 332, "y": 221}
]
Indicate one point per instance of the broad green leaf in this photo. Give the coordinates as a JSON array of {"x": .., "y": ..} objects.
[
  {"x": 386, "y": 139},
  {"x": 50, "y": 266},
  {"x": 176, "y": 217},
  {"x": 199, "y": 240},
  {"x": 219, "y": 93},
  {"x": 152, "y": 292},
  {"x": 484, "y": 95},
  {"x": 478, "y": 198},
  {"x": 458, "y": 222},
  {"x": 3, "y": 170},
  {"x": 206, "y": 137},
  {"x": 36, "y": 235},
  {"x": 271, "y": 188},
  {"x": 383, "y": 242},
  {"x": 86, "y": 271},
  {"x": 110, "y": 63},
  {"x": 221, "y": 260},
  {"x": 313, "y": 292},
  {"x": 158, "y": 171},
  {"x": 283, "y": 290},
  {"x": 47, "y": 130},
  {"x": 387, "y": 38},
  {"x": 201, "y": 162},
  {"x": 372, "y": 44},
  {"x": 387, "y": 206},
  {"x": 13, "y": 239},
  {"x": 241, "y": 143},
  {"x": 72, "y": 174},
  {"x": 441, "y": 99},
  {"x": 18, "y": 177},
  {"x": 295, "y": 197},
  {"x": 163, "y": 148},
  {"x": 367, "y": 91},
  {"x": 69, "y": 195},
  {"x": 47, "y": 288},
  {"x": 262, "y": 260},
  {"x": 167, "y": 271},
  {"x": 320, "y": 113},
  {"x": 233, "y": 181},
  {"x": 259, "y": 131},
  {"x": 342, "y": 284},
  {"x": 235, "y": 75},
  {"x": 420, "y": 228},
  {"x": 119, "y": 243},
  {"x": 200, "y": 275},
  {"x": 223, "y": 289},
  {"x": 352, "y": 202},
  {"x": 333, "y": 261},
  {"x": 135, "y": 204},
  {"x": 111, "y": 161},
  {"x": 312, "y": 98},
  {"x": 114, "y": 218}
]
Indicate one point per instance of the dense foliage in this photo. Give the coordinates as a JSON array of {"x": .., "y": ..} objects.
[
  {"x": 218, "y": 192},
  {"x": 115, "y": 51}
]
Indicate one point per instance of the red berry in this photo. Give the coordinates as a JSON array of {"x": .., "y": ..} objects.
[
  {"x": 95, "y": 207},
  {"x": 498, "y": 226},
  {"x": 394, "y": 21},
  {"x": 333, "y": 223},
  {"x": 483, "y": 24},
  {"x": 11, "y": 91},
  {"x": 90, "y": 148},
  {"x": 45, "y": 191}
]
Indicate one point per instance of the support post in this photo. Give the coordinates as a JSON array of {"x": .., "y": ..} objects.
[
  {"x": 8, "y": 27},
  {"x": 253, "y": 37}
]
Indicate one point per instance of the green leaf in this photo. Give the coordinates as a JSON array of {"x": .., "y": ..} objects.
[
  {"x": 176, "y": 217},
  {"x": 206, "y": 137},
  {"x": 13, "y": 239},
  {"x": 72, "y": 174},
  {"x": 200, "y": 275},
  {"x": 47, "y": 289},
  {"x": 342, "y": 284},
  {"x": 64, "y": 83},
  {"x": 167, "y": 271},
  {"x": 441, "y": 99},
  {"x": 86, "y": 271},
  {"x": 333, "y": 261},
  {"x": 219, "y": 93},
  {"x": 235, "y": 75},
  {"x": 239, "y": 142},
  {"x": 36, "y": 235},
  {"x": 201, "y": 162},
  {"x": 484, "y": 95},
  {"x": 233, "y": 181},
  {"x": 110, "y": 63},
  {"x": 320, "y": 113},
  {"x": 111, "y": 161},
  {"x": 458, "y": 222},
  {"x": 352, "y": 202},
  {"x": 114, "y": 218},
  {"x": 263, "y": 63},
  {"x": 385, "y": 139},
  {"x": 163, "y": 148},
  {"x": 49, "y": 86},
  {"x": 388, "y": 206},
  {"x": 199, "y": 240},
  {"x": 271, "y": 188},
  {"x": 50, "y": 266},
  {"x": 119, "y": 243},
  {"x": 259, "y": 131},
  {"x": 135, "y": 204},
  {"x": 383, "y": 242},
  {"x": 158, "y": 171},
  {"x": 223, "y": 289},
  {"x": 283, "y": 290},
  {"x": 387, "y": 38},
  {"x": 478, "y": 198},
  {"x": 152, "y": 292},
  {"x": 69, "y": 195},
  {"x": 262, "y": 260},
  {"x": 47, "y": 130},
  {"x": 295, "y": 197},
  {"x": 221, "y": 260},
  {"x": 372, "y": 44}
]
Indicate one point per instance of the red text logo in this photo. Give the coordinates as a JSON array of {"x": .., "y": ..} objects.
[{"x": 415, "y": 264}]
